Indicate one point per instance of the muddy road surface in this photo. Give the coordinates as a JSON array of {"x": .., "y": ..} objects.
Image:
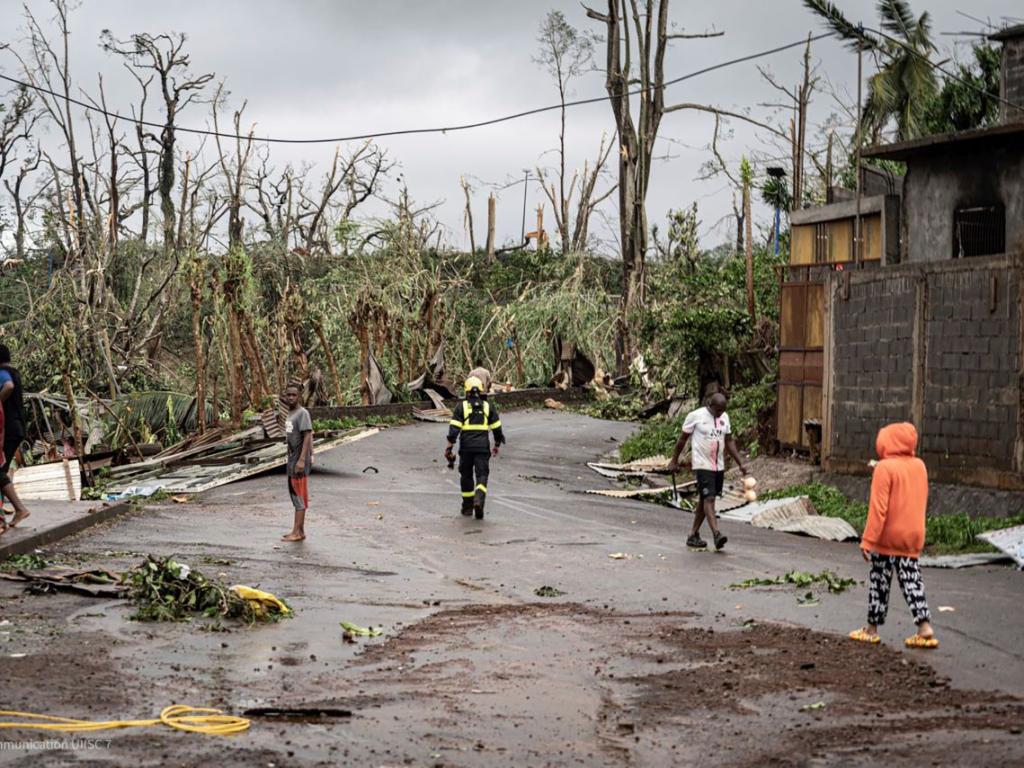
[{"x": 647, "y": 659}]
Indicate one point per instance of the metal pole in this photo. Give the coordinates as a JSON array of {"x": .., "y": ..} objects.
[
  {"x": 777, "y": 222},
  {"x": 860, "y": 77},
  {"x": 526, "y": 184}
]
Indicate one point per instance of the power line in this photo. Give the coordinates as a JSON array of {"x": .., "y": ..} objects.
[{"x": 412, "y": 131}]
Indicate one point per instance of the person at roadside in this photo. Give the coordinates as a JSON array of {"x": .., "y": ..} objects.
[
  {"x": 298, "y": 433},
  {"x": 484, "y": 376},
  {"x": 711, "y": 433},
  {"x": 12, "y": 428},
  {"x": 894, "y": 534}
]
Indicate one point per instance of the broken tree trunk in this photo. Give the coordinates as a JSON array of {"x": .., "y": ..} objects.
[
  {"x": 749, "y": 245},
  {"x": 469, "y": 214},
  {"x": 234, "y": 364},
  {"x": 491, "y": 216},
  {"x": 331, "y": 365},
  {"x": 195, "y": 286}
]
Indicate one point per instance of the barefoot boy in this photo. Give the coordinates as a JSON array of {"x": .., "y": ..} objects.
[
  {"x": 298, "y": 430},
  {"x": 894, "y": 534}
]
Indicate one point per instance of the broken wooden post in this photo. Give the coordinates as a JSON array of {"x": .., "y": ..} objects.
[{"x": 491, "y": 217}]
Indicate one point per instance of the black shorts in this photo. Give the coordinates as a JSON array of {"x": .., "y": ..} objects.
[{"x": 709, "y": 484}]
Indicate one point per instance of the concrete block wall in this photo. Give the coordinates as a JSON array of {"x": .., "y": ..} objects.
[
  {"x": 971, "y": 388},
  {"x": 872, "y": 361},
  {"x": 938, "y": 345},
  {"x": 1012, "y": 85}
]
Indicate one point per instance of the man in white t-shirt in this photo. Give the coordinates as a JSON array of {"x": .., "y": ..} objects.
[{"x": 711, "y": 433}]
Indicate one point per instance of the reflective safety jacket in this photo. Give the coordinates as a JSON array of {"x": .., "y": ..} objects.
[{"x": 472, "y": 422}]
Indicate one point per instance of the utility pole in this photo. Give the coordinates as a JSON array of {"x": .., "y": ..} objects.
[
  {"x": 526, "y": 184},
  {"x": 860, "y": 77},
  {"x": 778, "y": 173}
]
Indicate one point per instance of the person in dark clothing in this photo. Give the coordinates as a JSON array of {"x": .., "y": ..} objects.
[
  {"x": 472, "y": 422},
  {"x": 13, "y": 431}
]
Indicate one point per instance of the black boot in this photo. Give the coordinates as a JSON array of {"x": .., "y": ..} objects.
[
  {"x": 478, "y": 509},
  {"x": 467, "y": 507}
]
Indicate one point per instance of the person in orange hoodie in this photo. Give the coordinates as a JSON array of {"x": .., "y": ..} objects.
[{"x": 894, "y": 535}]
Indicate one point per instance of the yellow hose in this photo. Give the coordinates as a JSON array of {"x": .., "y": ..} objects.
[{"x": 182, "y": 717}]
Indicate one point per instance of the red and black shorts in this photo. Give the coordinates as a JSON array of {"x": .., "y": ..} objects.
[{"x": 298, "y": 490}]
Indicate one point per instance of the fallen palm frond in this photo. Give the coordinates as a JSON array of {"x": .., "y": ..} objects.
[
  {"x": 835, "y": 584},
  {"x": 165, "y": 415}
]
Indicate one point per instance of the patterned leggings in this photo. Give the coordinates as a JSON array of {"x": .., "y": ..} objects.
[{"x": 909, "y": 574}]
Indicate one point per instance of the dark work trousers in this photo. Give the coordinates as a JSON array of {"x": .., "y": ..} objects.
[
  {"x": 478, "y": 464},
  {"x": 909, "y": 575}
]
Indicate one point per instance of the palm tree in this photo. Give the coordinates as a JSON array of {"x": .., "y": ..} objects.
[{"x": 905, "y": 83}]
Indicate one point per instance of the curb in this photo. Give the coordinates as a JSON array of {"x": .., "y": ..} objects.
[{"x": 50, "y": 535}]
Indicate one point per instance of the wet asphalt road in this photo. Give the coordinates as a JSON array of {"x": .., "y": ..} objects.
[{"x": 388, "y": 548}]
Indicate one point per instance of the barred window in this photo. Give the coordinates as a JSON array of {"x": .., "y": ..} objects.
[{"x": 979, "y": 231}]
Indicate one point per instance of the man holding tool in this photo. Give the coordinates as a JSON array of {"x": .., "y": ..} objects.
[{"x": 711, "y": 432}]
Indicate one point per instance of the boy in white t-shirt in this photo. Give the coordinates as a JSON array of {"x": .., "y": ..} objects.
[{"x": 711, "y": 432}]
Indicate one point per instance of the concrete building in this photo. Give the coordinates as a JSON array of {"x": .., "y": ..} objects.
[{"x": 926, "y": 325}]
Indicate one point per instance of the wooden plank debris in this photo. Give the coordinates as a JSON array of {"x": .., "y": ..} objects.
[
  {"x": 437, "y": 415},
  {"x": 440, "y": 413},
  {"x": 202, "y": 468},
  {"x": 54, "y": 481}
]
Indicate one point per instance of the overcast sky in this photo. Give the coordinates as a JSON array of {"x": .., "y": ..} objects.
[{"x": 312, "y": 68}]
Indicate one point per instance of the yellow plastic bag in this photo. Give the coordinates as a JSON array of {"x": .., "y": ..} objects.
[{"x": 264, "y": 600}]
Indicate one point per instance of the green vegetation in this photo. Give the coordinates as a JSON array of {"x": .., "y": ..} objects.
[
  {"x": 354, "y": 422},
  {"x": 164, "y": 590},
  {"x": 944, "y": 534},
  {"x": 948, "y": 534},
  {"x": 24, "y": 563},
  {"x": 969, "y": 100},
  {"x": 834, "y": 583},
  {"x": 658, "y": 436}
]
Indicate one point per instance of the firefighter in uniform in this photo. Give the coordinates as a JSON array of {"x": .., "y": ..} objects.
[{"x": 473, "y": 419}]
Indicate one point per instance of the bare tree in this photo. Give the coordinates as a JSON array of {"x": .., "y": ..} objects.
[
  {"x": 636, "y": 33},
  {"x": 588, "y": 200},
  {"x": 234, "y": 272},
  {"x": 19, "y": 120},
  {"x": 565, "y": 53},
  {"x": 352, "y": 180},
  {"x": 164, "y": 55},
  {"x": 47, "y": 68}
]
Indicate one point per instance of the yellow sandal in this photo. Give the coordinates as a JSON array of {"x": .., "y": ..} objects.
[
  {"x": 918, "y": 641},
  {"x": 864, "y": 637}
]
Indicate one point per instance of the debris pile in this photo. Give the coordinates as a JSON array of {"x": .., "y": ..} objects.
[
  {"x": 165, "y": 590},
  {"x": 214, "y": 460}
]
